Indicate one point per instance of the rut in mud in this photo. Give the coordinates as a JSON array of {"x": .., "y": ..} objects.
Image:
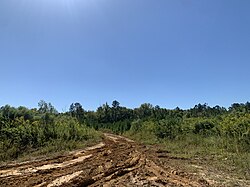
[{"x": 116, "y": 161}]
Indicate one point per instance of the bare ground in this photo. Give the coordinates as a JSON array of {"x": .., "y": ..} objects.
[{"x": 116, "y": 161}]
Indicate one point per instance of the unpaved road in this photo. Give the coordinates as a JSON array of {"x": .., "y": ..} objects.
[{"x": 116, "y": 161}]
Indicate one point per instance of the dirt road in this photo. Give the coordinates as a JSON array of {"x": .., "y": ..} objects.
[{"x": 116, "y": 161}]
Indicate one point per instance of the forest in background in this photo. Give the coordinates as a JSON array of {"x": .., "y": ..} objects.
[{"x": 200, "y": 130}]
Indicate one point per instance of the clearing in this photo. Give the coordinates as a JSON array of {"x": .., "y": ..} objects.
[{"x": 116, "y": 161}]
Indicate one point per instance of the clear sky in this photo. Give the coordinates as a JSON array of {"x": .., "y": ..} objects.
[{"x": 165, "y": 52}]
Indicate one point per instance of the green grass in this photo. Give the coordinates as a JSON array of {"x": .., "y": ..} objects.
[
  {"x": 56, "y": 148},
  {"x": 53, "y": 148},
  {"x": 209, "y": 152}
]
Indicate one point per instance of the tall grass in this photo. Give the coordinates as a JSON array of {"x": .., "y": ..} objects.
[{"x": 228, "y": 151}]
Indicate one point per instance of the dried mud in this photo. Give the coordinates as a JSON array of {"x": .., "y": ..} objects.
[{"x": 116, "y": 161}]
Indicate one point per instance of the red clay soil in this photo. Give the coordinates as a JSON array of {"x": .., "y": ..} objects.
[{"x": 116, "y": 161}]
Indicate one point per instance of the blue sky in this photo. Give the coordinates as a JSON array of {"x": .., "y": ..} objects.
[{"x": 165, "y": 52}]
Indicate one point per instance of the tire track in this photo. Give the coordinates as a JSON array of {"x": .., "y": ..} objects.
[{"x": 117, "y": 161}]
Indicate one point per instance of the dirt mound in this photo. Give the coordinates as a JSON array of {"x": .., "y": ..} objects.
[{"x": 117, "y": 161}]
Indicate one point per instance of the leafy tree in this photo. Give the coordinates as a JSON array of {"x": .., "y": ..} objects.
[
  {"x": 168, "y": 128},
  {"x": 159, "y": 113},
  {"x": 8, "y": 112},
  {"x": 104, "y": 113},
  {"x": 46, "y": 108},
  {"x": 247, "y": 106},
  {"x": 238, "y": 108},
  {"x": 25, "y": 113},
  {"x": 76, "y": 110},
  {"x": 144, "y": 111},
  {"x": 115, "y": 104}
]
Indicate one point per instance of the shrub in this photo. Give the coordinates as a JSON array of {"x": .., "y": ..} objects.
[{"x": 168, "y": 128}]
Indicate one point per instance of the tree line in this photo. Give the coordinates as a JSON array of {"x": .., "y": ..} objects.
[{"x": 22, "y": 128}]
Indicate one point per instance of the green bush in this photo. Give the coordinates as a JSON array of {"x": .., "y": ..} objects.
[
  {"x": 23, "y": 135},
  {"x": 205, "y": 128},
  {"x": 168, "y": 128}
]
